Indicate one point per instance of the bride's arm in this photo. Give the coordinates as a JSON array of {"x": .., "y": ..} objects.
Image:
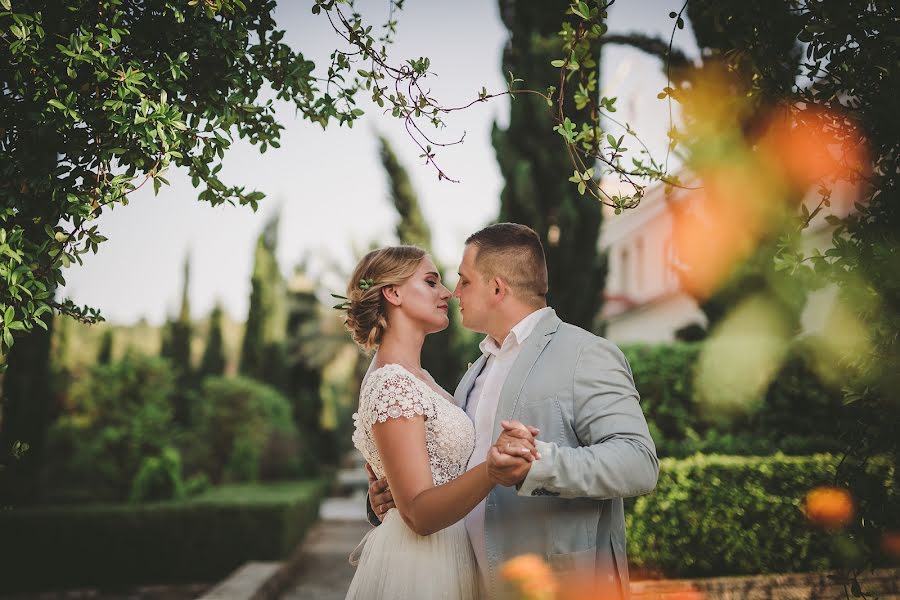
[{"x": 424, "y": 507}]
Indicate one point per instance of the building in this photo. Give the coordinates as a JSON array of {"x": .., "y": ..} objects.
[{"x": 644, "y": 300}]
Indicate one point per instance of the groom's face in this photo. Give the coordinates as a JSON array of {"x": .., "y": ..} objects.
[{"x": 474, "y": 293}]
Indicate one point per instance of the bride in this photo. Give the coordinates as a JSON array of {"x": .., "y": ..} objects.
[{"x": 410, "y": 431}]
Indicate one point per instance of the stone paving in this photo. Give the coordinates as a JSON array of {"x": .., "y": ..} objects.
[{"x": 326, "y": 571}]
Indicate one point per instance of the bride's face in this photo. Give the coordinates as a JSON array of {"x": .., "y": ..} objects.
[
  {"x": 424, "y": 299},
  {"x": 474, "y": 293}
]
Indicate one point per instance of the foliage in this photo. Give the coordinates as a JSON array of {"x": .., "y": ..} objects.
[
  {"x": 98, "y": 99},
  {"x": 176, "y": 348},
  {"x": 159, "y": 478},
  {"x": 536, "y": 191},
  {"x": 202, "y": 538},
  {"x": 238, "y": 421},
  {"x": 304, "y": 377},
  {"x": 104, "y": 355},
  {"x": 121, "y": 414},
  {"x": 822, "y": 68},
  {"x": 799, "y": 413},
  {"x": 443, "y": 353},
  {"x": 412, "y": 228},
  {"x": 26, "y": 409},
  {"x": 213, "y": 361},
  {"x": 263, "y": 349},
  {"x": 715, "y": 515}
]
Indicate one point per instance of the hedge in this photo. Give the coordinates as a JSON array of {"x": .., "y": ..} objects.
[
  {"x": 114, "y": 545},
  {"x": 729, "y": 515},
  {"x": 799, "y": 415}
]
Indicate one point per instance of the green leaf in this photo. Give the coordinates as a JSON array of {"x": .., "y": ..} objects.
[
  {"x": 558, "y": 63},
  {"x": 56, "y": 104},
  {"x": 6, "y": 4}
]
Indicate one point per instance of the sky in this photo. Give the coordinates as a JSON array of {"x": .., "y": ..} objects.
[{"x": 329, "y": 186}]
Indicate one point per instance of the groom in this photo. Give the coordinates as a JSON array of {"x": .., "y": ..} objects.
[{"x": 577, "y": 390}]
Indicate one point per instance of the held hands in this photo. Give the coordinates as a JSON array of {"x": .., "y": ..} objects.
[{"x": 509, "y": 459}]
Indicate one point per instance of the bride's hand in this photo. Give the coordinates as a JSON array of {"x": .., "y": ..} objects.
[{"x": 518, "y": 440}]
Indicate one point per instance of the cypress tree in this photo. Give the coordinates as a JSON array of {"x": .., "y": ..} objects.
[
  {"x": 213, "y": 361},
  {"x": 104, "y": 355},
  {"x": 443, "y": 354},
  {"x": 177, "y": 348},
  {"x": 263, "y": 354},
  {"x": 412, "y": 228},
  {"x": 535, "y": 166},
  {"x": 304, "y": 378}
]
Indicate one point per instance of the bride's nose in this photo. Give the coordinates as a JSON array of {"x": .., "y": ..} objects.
[{"x": 445, "y": 293}]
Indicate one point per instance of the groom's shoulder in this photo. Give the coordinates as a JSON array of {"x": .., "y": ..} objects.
[
  {"x": 580, "y": 338},
  {"x": 574, "y": 333}
]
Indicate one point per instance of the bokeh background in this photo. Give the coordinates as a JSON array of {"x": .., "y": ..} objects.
[{"x": 753, "y": 291}]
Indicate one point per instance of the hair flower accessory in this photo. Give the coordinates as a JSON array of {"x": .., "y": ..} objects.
[
  {"x": 345, "y": 305},
  {"x": 363, "y": 284}
]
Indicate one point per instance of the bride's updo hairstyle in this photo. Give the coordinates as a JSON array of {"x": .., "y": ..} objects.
[{"x": 367, "y": 311}]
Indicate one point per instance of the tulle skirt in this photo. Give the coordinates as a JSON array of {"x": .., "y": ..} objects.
[{"x": 396, "y": 562}]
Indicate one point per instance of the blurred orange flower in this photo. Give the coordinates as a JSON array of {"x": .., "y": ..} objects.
[
  {"x": 812, "y": 145},
  {"x": 531, "y": 575},
  {"x": 890, "y": 543},
  {"x": 829, "y": 507}
]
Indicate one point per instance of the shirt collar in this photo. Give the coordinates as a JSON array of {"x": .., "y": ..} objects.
[{"x": 517, "y": 335}]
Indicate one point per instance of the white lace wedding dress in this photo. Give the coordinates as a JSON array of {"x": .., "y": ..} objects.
[{"x": 395, "y": 561}]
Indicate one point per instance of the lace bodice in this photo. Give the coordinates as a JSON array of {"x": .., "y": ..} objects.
[{"x": 392, "y": 392}]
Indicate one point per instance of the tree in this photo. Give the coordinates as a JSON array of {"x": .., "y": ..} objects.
[
  {"x": 263, "y": 350},
  {"x": 535, "y": 166},
  {"x": 213, "y": 362},
  {"x": 412, "y": 228},
  {"x": 99, "y": 98},
  {"x": 26, "y": 413},
  {"x": 177, "y": 349},
  {"x": 813, "y": 99},
  {"x": 104, "y": 355},
  {"x": 304, "y": 377},
  {"x": 444, "y": 354}
]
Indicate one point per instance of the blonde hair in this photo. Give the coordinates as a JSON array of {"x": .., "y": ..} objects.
[
  {"x": 514, "y": 253},
  {"x": 367, "y": 313}
]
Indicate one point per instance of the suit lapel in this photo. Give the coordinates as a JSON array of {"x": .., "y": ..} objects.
[
  {"x": 461, "y": 396},
  {"x": 515, "y": 381}
]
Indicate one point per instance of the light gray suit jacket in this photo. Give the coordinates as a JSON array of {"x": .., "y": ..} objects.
[{"x": 577, "y": 388}]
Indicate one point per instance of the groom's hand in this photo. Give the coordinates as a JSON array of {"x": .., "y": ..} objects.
[
  {"x": 506, "y": 470},
  {"x": 380, "y": 496}
]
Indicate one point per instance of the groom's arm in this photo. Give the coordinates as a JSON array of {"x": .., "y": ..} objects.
[{"x": 618, "y": 457}]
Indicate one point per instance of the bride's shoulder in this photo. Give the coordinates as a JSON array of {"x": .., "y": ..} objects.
[{"x": 388, "y": 375}]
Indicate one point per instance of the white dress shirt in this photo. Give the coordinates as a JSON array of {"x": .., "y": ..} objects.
[{"x": 482, "y": 408}]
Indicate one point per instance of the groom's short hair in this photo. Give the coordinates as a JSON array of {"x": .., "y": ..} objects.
[{"x": 514, "y": 253}]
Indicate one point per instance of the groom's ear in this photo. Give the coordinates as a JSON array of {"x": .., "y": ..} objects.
[
  {"x": 391, "y": 294},
  {"x": 500, "y": 288}
]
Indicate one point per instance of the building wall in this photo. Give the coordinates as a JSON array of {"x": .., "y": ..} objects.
[{"x": 644, "y": 301}]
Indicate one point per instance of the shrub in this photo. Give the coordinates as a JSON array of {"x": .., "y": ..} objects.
[
  {"x": 120, "y": 414},
  {"x": 799, "y": 414},
  {"x": 239, "y": 419},
  {"x": 199, "y": 539},
  {"x": 159, "y": 478},
  {"x": 727, "y": 515}
]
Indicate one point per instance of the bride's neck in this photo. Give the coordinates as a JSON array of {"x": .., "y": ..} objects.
[{"x": 401, "y": 345}]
